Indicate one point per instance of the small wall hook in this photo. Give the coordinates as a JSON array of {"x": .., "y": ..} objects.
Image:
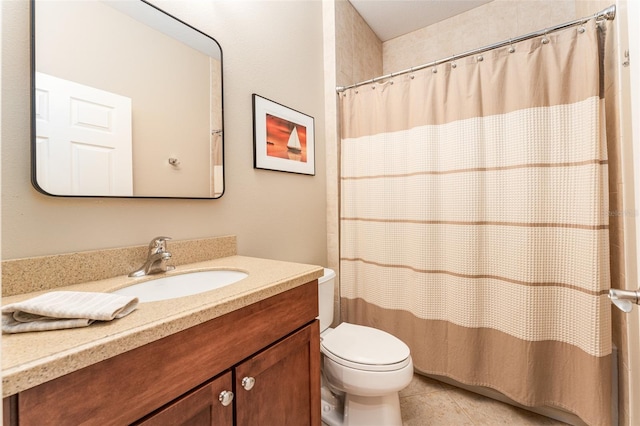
[
  {"x": 174, "y": 162},
  {"x": 626, "y": 58}
]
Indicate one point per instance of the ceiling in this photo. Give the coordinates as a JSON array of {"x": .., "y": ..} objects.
[{"x": 393, "y": 18}]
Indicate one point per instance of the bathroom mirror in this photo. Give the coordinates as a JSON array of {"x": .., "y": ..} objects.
[{"x": 126, "y": 102}]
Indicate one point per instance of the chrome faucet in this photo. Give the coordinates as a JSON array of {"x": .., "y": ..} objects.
[{"x": 156, "y": 259}]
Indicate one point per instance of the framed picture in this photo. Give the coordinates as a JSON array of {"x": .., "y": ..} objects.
[{"x": 283, "y": 139}]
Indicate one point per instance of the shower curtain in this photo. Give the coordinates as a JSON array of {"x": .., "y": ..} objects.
[{"x": 474, "y": 219}]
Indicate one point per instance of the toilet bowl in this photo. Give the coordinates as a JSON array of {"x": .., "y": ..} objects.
[{"x": 363, "y": 369}]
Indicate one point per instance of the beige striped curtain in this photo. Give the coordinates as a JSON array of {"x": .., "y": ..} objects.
[{"x": 474, "y": 220}]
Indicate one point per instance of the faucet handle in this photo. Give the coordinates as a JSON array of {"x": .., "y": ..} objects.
[{"x": 158, "y": 244}]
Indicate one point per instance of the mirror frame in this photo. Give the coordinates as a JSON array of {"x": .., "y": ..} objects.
[{"x": 34, "y": 181}]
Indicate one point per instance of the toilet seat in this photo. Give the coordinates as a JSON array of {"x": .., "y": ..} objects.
[{"x": 365, "y": 348}]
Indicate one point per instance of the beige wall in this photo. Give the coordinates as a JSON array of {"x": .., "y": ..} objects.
[
  {"x": 630, "y": 108},
  {"x": 272, "y": 48},
  {"x": 624, "y": 223}
]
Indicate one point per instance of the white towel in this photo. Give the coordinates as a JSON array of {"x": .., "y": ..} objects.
[{"x": 64, "y": 309}]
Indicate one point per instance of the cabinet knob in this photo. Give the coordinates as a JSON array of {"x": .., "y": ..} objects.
[
  {"x": 225, "y": 397},
  {"x": 248, "y": 382}
]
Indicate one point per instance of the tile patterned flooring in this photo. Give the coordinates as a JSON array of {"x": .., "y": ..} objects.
[{"x": 427, "y": 402}]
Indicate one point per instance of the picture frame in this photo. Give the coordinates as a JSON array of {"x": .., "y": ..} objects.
[{"x": 283, "y": 138}]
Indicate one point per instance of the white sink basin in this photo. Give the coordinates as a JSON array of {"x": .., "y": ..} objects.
[{"x": 180, "y": 285}]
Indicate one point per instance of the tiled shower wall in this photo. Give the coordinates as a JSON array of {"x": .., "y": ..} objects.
[
  {"x": 358, "y": 49},
  {"x": 359, "y": 56},
  {"x": 490, "y": 23},
  {"x": 355, "y": 54}
]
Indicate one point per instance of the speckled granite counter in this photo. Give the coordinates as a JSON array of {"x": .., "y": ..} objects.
[{"x": 29, "y": 359}]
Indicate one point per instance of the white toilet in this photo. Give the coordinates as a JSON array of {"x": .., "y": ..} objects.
[{"x": 363, "y": 369}]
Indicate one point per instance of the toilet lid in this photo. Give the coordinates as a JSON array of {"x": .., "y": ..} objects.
[{"x": 365, "y": 348}]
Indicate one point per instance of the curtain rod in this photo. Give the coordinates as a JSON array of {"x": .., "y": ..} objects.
[{"x": 607, "y": 14}]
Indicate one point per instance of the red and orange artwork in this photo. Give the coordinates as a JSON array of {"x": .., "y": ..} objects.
[{"x": 286, "y": 139}]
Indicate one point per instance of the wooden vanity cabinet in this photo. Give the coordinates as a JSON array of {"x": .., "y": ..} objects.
[{"x": 177, "y": 380}]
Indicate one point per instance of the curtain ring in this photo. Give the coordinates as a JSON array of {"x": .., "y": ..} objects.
[
  {"x": 511, "y": 48},
  {"x": 453, "y": 64},
  {"x": 545, "y": 40}
]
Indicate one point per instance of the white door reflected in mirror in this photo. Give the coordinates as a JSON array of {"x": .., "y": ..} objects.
[{"x": 83, "y": 139}]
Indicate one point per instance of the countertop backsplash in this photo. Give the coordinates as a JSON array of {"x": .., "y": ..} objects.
[{"x": 48, "y": 272}]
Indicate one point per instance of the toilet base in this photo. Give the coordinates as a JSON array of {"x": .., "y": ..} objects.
[
  {"x": 372, "y": 410},
  {"x": 332, "y": 408},
  {"x": 354, "y": 410}
]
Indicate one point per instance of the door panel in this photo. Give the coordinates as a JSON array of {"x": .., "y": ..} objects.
[
  {"x": 199, "y": 407},
  {"x": 83, "y": 140},
  {"x": 287, "y": 383}
]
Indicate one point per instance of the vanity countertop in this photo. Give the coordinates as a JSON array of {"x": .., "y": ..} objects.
[{"x": 30, "y": 359}]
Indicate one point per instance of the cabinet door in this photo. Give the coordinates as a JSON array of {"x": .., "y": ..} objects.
[
  {"x": 282, "y": 383},
  {"x": 200, "y": 407}
]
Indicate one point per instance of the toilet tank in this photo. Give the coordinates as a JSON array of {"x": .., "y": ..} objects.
[{"x": 325, "y": 298}]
